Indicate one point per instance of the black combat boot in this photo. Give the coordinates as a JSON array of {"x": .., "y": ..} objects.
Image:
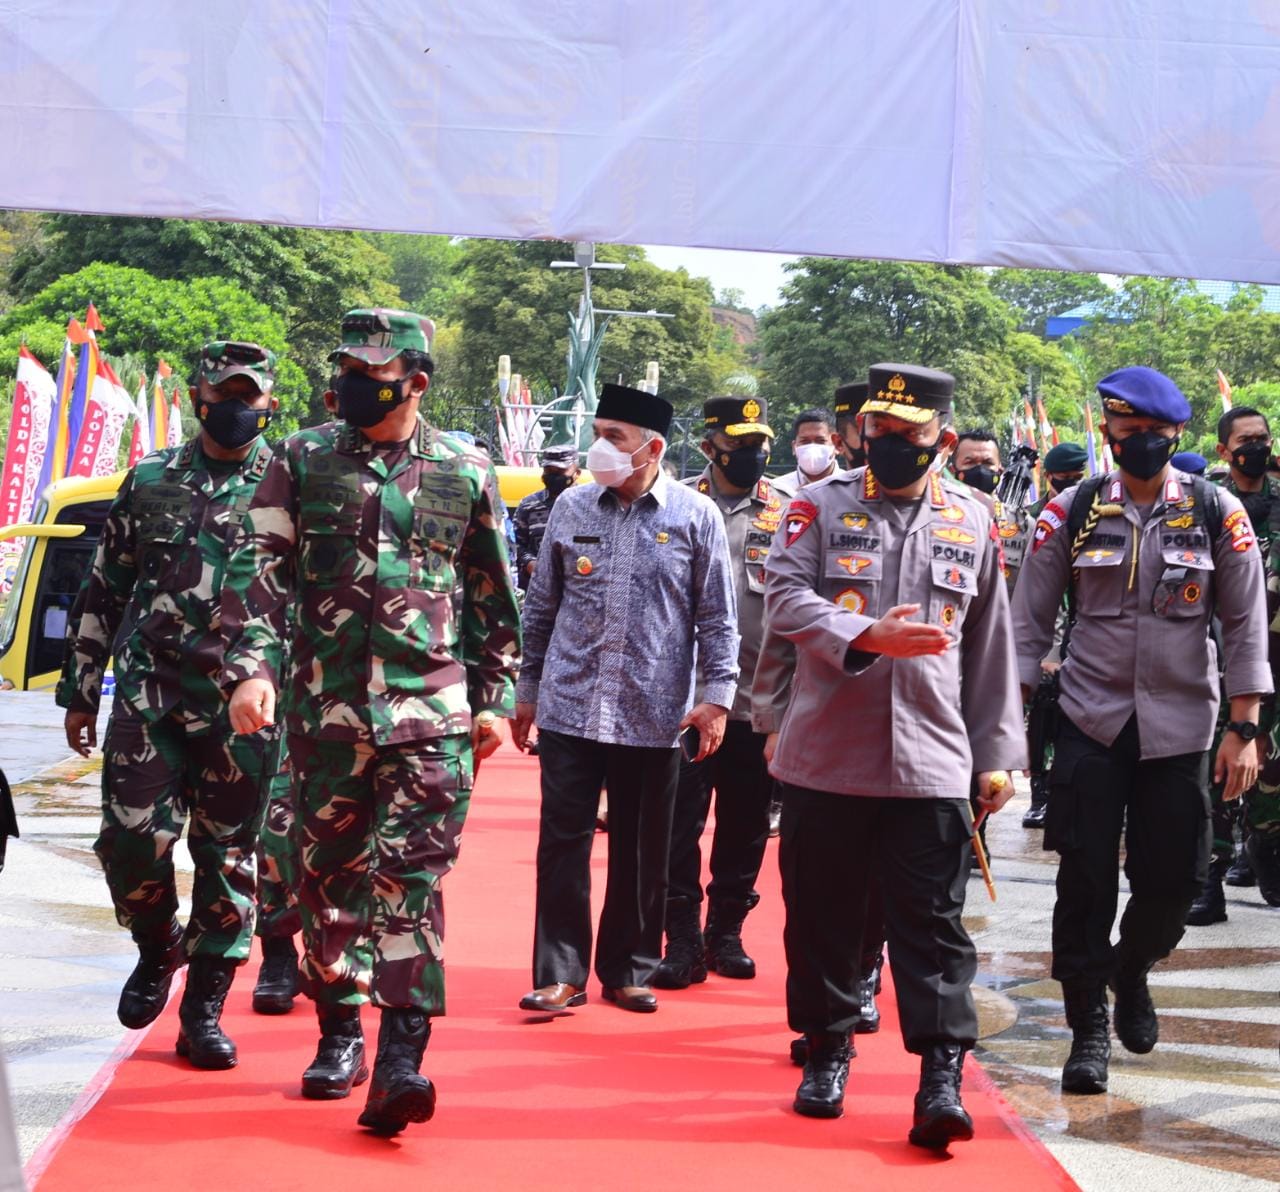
[
  {"x": 826, "y": 1071},
  {"x": 339, "y": 1064},
  {"x": 1210, "y": 905},
  {"x": 940, "y": 1118},
  {"x": 147, "y": 990},
  {"x": 277, "y": 984},
  {"x": 683, "y": 965},
  {"x": 1135, "y": 1014},
  {"x": 1086, "y": 1068},
  {"x": 868, "y": 1012},
  {"x": 724, "y": 937},
  {"x": 397, "y": 1094},
  {"x": 1264, "y": 853},
  {"x": 1034, "y": 815},
  {"x": 1241, "y": 872},
  {"x": 200, "y": 1038}
]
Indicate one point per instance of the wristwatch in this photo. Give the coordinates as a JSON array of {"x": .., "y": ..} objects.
[
  {"x": 485, "y": 722},
  {"x": 1246, "y": 730}
]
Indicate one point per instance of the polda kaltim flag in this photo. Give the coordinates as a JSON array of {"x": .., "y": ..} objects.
[{"x": 28, "y": 441}]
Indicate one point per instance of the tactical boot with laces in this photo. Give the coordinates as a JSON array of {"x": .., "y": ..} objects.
[
  {"x": 147, "y": 990},
  {"x": 940, "y": 1117},
  {"x": 277, "y": 983},
  {"x": 200, "y": 1036},
  {"x": 724, "y": 953},
  {"x": 826, "y": 1072},
  {"x": 398, "y": 1095},
  {"x": 1085, "y": 1071},
  {"x": 683, "y": 965},
  {"x": 339, "y": 1064}
]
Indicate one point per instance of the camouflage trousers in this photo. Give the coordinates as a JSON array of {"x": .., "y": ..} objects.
[
  {"x": 278, "y": 914},
  {"x": 1258, "y": 809},
  {"x": 379, "y": 827},
  {"x": 157, "y": 778}
]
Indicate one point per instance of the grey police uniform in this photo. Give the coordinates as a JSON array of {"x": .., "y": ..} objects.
[
  {"x": 1139, "y": 695},
  {"x": 877, "y": 753}
]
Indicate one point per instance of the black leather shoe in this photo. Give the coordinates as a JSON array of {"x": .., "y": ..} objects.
[
  {"x": 826, "y": 1072},
  {"x": 339, "y": 1064},
  {"x": 1264, "y": 855},
  {"x": 200, "y": 1037},
  {"x": 940, "y": 1118},
  {"x": 1137, "y": 1026},
  {"x": 638, "y": 998},
  {"x": 147, "y": 990},
  {"x": 554, "y": 999},
  {"x": 1034, "y": 816},
  {"x": 398, "y": 1094},
  {"x": 1085, "y": 1071},
  {"x": 277, "y": 983},
  {"x": 683, "y": 964},
  {"x": 1210, "y": 905},
  {"x": 1240, "y": 872}
]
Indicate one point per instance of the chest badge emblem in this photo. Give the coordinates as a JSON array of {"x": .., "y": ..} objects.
[{"x": 584, "y": 565}]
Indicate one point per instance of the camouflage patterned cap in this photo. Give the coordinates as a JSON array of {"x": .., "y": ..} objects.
[
  {"x": 380, "y": 335},
  {"x": 223, "y": 358}
]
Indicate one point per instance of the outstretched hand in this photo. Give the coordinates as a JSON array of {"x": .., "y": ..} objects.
[{"x": 896, "y": 636}]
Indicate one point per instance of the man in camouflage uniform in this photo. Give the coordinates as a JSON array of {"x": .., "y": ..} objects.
[
  {"x": 379, "y": 535},
  {"x": 1244, "y": 445},
  {"x": 559, "y": 472},
  {"x": 169, "y": 752}
]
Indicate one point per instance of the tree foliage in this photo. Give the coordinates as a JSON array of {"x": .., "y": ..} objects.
[{"x": 1036, "y": 294}]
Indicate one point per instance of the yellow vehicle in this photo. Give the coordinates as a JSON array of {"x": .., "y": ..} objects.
[{"x": 60, "y": 542}]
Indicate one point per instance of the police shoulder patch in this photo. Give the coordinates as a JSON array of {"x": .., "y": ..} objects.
[{"x": 799, "y": 517}]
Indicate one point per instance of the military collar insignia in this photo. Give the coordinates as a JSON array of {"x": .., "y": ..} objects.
[
  {"x": 1116, "y": 495},
  {"x": 870, "y": 486},
  {"x": 936, "y": 497},
  {"x": 186, "y": 457},
  {"x": 764, "y": 492},
  {"x": 704, "y": 484},
  {"x": 258, "y": 465},
  {"x": 1172, "y": 490}
]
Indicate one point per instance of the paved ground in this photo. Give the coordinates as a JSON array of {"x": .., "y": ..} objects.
[{"x": 1202, "y": 1112}]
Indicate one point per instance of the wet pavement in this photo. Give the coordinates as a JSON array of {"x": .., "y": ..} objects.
[{"x": 1201, "y": 1112}]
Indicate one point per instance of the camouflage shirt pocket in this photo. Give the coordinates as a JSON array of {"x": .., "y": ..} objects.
[
  {"x": 168, "y": 555},
  {"x": 329, "y": 550}
]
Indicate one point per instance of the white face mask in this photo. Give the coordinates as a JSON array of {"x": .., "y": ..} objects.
[
  {"x": 815, "y": 458},
  {"x": 609, "y": 465}
]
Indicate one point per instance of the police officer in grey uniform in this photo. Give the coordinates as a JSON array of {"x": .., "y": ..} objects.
[
  {"x": 1155, "y": 554},
  {"x": 736, "y": 441},
  {"x": 887, "y": 581}
]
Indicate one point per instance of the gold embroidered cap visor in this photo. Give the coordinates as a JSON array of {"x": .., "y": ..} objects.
[{"x": 908, "y": 391}]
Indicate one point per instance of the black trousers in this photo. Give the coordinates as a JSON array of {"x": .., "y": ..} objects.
[
  {"x": 642, "y": 789},
  {"x": 1161, "y": 807},
  {"x": 831, "y": 847},
  {"x": 743, "y": 787}
]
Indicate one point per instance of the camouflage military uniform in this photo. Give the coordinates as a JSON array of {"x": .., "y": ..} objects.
[
  {"x": 405, "y": 624},
  {"x": 169, "y": 752},
  {"x": 1260, "y": 806},
  {"x": 531, "y": 519},
  {"x": 278, "y": 914}
]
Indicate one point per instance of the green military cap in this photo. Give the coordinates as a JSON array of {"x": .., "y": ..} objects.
[
  {"x": 379, "y": 335},
  {"x": 223, "y": 358}
]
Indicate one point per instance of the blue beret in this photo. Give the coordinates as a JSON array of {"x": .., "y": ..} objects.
[
  {"x": 1190, "y": 461},
  {"x": 1065, "y": 457},
  {"x": 1145, "y": 392}
]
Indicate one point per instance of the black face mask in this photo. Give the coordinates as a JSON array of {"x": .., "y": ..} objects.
[
  {"x": 897, "y": 462},
  {"x": 1060, "y": 484},
  {"x": 857, "y": 457},
  {"x": 744, "y": 467},
  {"x": 1251, "y": 459},
  {"x": 981, "y": 477},
  {"x": 555, "y": 482},
  {"x": 230, "y": 422},
  {"x": 363, "y": 402},
  {"x": 1143, "y": 453}
]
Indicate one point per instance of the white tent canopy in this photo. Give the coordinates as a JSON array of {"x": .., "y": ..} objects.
[{"x": 1114, "y": 135}]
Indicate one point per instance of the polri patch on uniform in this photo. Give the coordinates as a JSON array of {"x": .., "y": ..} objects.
[
  {"x": 1096, "y": 558},
  {"x": 851, "y": 600},
  {"x": 800, "y": 516},
  {"x": 952, "y": 534},
  {"x": 1183, "y": 522},
  {"x": 953, "y": 576},
  {"x": 1237, "y": 522}
]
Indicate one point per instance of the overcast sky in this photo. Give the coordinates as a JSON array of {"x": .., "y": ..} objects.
[{"x": 758, "y": 275}]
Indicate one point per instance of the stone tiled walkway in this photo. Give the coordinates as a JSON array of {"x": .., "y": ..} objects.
[{"x": 1201, "y": 1112}]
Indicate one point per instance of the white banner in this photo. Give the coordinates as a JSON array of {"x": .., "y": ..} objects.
[{"x": 1141, "y": 136}]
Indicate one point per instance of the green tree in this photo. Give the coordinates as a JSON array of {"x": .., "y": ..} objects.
[
  {"x": 1038, "y": 293},
  {"x": 511, "y": 302},
  {"x": 424, "y": 269},
  {"x": 309, "y": 276},
  {"x": 837, "y": 317},
  {"x": 150, "y": 319}
]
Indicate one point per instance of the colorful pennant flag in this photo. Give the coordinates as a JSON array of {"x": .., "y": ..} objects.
[
  {"x": 28, "y": 440},
  {"x": 1089, "y": 446},
  {"x": 140, "y": 441},
  {"x": 1224, "y": 390}
]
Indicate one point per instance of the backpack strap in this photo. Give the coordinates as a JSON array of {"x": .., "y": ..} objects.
[{"x": 1082, "y": 519}]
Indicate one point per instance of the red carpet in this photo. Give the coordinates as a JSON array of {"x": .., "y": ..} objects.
[{"x": 697, "y": 1095}]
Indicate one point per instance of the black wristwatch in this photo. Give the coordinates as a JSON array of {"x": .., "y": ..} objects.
[{"x": 1246, "y": 730}]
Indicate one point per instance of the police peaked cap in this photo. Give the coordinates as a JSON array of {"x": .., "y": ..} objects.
[
  {"x": 849, "y": 399},
  {"x": 1145, "y": 392},
  {"x": 619, "y": 403},
  {"x": 908, "y": 391},
  {"x": 737, "y": 415}
]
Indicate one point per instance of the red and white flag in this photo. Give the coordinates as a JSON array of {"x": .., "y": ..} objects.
[
  {"x": 140, "y": 442},
  {"x": 119, "y": 409},
  {"x": 28, "y": 439}
]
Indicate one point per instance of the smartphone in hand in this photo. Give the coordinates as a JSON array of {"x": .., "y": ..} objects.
[{"x": 690, "y": 743}]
